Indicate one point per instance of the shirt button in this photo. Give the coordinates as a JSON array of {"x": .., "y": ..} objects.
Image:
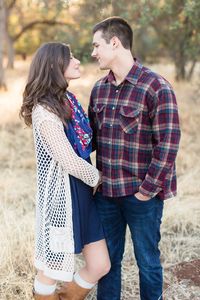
[
  {"x": 117, "y": 91},
  {"x": 97, "y": 109},
  {"x": 113, "y": 107},
  {"x": 109, "y": 161},
  {"x": 110, "y": 125}
]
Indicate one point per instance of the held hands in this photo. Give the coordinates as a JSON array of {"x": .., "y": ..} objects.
[
  {"x": 141, "y": 197},
  {"x": 98, "y": 183}
]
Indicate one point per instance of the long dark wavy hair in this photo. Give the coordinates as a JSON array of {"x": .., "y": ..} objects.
[{"x": 46, "y": 84}]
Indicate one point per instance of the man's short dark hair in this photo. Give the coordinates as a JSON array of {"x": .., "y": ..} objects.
[{"x": 116, "y": 26}]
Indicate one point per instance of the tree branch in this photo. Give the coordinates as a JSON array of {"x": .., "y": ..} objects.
[
  {"x": 12, "y": 3},
  {"x": 37, "y": 22}
]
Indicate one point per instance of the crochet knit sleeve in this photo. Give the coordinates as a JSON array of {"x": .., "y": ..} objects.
[{"x": 50, "y": 132}]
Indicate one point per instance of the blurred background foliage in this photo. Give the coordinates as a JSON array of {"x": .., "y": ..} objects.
[{"x": 162, "y": 28}]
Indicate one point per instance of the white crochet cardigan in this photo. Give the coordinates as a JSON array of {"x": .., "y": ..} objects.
[{"x": 56, "y": 159}]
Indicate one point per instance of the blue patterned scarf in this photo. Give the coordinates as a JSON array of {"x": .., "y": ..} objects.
[{"x": 78, "y": 128}]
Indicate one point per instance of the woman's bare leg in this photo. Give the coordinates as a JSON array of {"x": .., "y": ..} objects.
[
  {"x": 97, "y": 261},
  {"x": 44, "y": 279},
  {"x": 44, "y": 285}
]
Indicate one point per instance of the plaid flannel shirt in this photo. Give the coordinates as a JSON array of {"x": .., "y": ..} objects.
[{"x": 135, "y": 133}]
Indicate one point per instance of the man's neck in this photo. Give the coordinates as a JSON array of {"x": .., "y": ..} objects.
[{"x": 121, "y": 67}]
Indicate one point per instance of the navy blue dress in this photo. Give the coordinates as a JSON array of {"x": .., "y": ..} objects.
[{"x": 86, "y": 222}]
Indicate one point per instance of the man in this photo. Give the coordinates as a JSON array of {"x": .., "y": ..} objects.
[{"x": 133, "y": 113}]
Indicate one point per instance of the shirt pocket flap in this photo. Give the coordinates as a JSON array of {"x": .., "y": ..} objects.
[
  {"x": 98, "y": 107},
  {"x": 129, "y": 118},
  {"x": 129, "y": 112}
]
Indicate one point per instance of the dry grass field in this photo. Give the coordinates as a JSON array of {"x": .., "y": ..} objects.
[{"x": 181, "y": 221}]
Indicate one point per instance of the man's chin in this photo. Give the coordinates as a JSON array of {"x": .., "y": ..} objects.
[{"x": 103, "y": 67}]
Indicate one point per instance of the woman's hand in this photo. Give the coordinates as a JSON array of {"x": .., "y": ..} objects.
[{"x": 98, "y": 183}]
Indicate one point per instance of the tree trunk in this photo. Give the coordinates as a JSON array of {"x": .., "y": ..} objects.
[
  {"x": 180, "y": 63},
  {"x": 8, "y": 38},
  {"x": 10, "y": 52},
  {"x": 180, "y": 70},
  {"x": 191, "y": 71},
  {"x": 2, "y": 29}
]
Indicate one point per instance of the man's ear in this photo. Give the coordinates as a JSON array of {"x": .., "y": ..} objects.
[{"x": 115, "y": 42}]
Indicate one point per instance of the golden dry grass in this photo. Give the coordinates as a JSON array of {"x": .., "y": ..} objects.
[{"x": 180, "y": 228}]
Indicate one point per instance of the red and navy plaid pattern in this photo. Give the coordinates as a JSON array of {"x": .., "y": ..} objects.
[{"x": 136, "y": 133}]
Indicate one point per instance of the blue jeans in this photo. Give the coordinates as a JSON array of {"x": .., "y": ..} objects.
[{"x": 143, "y": 219}]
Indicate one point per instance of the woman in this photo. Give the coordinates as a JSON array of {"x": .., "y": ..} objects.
[{"x": 66, "y": 219}]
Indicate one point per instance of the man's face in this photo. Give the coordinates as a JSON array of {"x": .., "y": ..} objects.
[{"x": 102, "y": 51}]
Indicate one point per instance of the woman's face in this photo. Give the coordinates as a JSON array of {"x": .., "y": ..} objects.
[{"x": 72, "y": 71}]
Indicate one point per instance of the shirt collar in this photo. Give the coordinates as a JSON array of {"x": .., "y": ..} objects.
[{"x": 132, "y": 76}]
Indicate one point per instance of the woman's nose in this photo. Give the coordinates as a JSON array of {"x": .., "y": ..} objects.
[{"x": 93, "y": 54}]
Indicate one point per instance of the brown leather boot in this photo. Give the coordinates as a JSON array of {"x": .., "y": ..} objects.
[
  {"x": 73, "y": 291},
  {"x": 48, "y": 297}
]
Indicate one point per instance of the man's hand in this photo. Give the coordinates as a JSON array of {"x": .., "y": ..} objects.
[{"x": 141, "y": 197}]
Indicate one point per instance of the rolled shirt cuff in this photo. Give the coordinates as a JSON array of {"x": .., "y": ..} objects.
[{"x": 149, "y": 189}]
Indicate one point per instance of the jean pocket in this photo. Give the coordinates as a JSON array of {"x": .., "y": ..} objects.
[
  {"x": 129, "y": 118},
  {"x": 144, "y": 201},
  {"x": 99, "y": 109}
]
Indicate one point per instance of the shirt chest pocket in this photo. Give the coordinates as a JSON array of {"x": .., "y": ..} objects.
[
  {"x": 129, "y": 119},
  {"x": 99, "y": 109}
]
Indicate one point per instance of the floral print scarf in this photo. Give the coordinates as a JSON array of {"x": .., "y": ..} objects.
[{"x": 78, "y": 129}]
